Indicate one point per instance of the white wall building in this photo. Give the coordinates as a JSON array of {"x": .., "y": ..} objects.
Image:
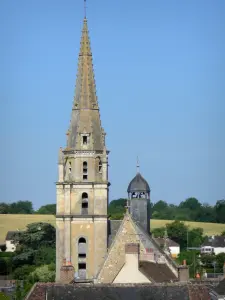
[
  {"x": 10, "y": 245},
  {"x": 213, "y": 244},
  {"x": 173, "y": 247}
]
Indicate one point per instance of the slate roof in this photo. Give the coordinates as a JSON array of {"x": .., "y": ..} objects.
[
  {"x": 220, "y": 288},
  {"x": 138, "y": 184},
  {"x": 169, "y": 242},
  {"x": 113, "y": 227},
  {"x": 215, "y": 241},
  {"x": 9, "y": 235},
  {"x": 119, "y": 292},
  {"x": 157, "y": 272}
]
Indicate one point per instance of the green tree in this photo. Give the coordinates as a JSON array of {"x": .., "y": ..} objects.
[
  {"x": 220, "y": 211},
  {"x": 21, "y": 207},
  {"x": 22, "y": 272},
  {"x": 177, "y": 231},
  {"x": 45, "y": 255},
  {"x": 3, "y": 267},
  {"x": 195, "y": 237},
  {"x": 49, "y": 209},
  {"x": 158, "y": 232},
  {"x": 22, "y": 289},
  {"x": 223, "y": 233},
  {"x": 191, "y": 207},
  {"x": 206, "y": 214},
  {"x": 4, "y": 296},
  {"x": 192, "y": 259},
  {"x": 116, "y": 209},
  {"x": 32, "y": 241},
  {"x": 220, "y": 259},
  {"x": 43, "y": 274},
  {"x": 160, "y": 210},
  {"x": 4, "y": 208},
  {"x": 207, "y": 260},
  {"x": 191, "y": 203}
]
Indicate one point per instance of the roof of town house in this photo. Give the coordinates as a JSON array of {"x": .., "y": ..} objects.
[
  {"x": 220, "y": 288},
  {"x": 9, "y": 235},
  {"x": 169, "y": 242},
  {"x": 48, "y": 291},
  {"x": 156, "y": 272},
  {"x": 214, "y": 241}
]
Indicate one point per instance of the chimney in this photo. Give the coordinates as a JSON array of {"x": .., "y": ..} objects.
[
  {"x": 183, "y": 272},
  {"x": 132, "y": 254},
  {"x": 66, "y": 272}
]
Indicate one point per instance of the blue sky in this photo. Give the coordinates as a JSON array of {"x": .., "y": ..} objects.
[{"x": 160, "y": 75}]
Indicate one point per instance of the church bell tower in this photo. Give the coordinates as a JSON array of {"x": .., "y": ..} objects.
[{"x": 82, "y": 186}]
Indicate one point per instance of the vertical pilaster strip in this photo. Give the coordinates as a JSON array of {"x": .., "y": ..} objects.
[{"x": 67, "y": 239}]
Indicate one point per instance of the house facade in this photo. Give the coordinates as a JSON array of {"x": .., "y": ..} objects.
[{"x": 213, "y": 245}]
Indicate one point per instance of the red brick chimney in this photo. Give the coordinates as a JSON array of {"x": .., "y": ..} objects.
[{"x": 66, "y": 272}]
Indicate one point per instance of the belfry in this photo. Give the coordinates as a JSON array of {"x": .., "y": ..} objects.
[{"x": 82, "y": 186}]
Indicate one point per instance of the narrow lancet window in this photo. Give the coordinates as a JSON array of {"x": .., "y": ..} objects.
[{"x": 84, "y": 204}]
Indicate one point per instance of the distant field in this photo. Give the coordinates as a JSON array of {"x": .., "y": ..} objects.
[{"x": 14, "y": 222}]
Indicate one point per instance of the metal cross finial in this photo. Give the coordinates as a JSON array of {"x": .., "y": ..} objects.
[
  {"x": 138, "y": 166},
  {"x": 85, "y": 9}
]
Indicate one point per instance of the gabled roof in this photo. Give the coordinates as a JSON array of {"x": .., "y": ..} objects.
[
  {"x": 215, "y": 241},
  {"x": 131, "y": 232}
]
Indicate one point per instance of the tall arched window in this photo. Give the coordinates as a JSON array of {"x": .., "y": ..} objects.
[
  {"x": 85, "y": 170},
  {"x": 84, "y": 204}
]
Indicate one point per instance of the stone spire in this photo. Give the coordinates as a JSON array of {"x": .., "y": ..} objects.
[{"x": 85, "y": 118}]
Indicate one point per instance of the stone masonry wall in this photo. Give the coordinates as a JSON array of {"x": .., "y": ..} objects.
[{"x": 116, "y": 256}]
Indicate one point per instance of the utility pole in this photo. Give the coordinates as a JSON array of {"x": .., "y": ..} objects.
[{"x": 187, "y": 239}]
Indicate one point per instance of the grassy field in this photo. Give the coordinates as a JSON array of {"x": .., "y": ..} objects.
[{"x": 19, "y": 222}]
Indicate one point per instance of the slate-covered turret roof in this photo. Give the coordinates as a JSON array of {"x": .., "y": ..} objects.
[{"x": 138, "y": 184}]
